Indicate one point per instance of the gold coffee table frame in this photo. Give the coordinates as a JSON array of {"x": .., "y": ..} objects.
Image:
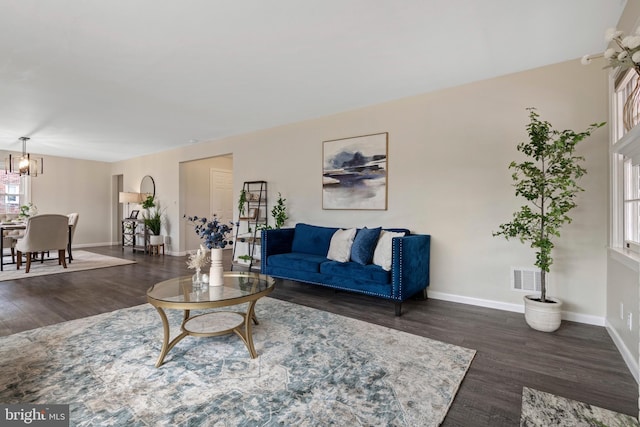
[{"x": 178, "y": 293}]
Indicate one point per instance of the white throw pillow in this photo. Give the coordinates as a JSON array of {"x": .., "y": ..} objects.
[
  {"x": 340, "y": 246},
  {"x": 382, "y": 253}
]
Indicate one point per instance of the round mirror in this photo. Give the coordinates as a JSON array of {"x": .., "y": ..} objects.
[{"x": 148, "y": 187}]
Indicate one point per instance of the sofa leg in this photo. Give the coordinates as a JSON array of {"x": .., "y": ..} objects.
[
  {"x": 398, "y": 308},
  {"x": 421, "y": 295}
]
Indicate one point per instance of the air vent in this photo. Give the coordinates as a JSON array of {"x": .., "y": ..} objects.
[{"x": 525, "y": 279}]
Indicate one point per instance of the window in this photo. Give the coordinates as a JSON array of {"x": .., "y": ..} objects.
[
  {"x": 625, "y": 168},
  {"x": 12, "y": 192},
  {"x": 631, "y": 204}
]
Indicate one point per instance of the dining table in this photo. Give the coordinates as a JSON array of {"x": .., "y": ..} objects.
[{"x": 8, "y": 226}]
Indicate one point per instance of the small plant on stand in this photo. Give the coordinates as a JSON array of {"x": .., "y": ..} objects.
[
  {"x": 279, "y": 212},
  {"x": 246, "y": 258},
  {"x": 242, "y": 202},
  {"x": 153, "y": 220}
]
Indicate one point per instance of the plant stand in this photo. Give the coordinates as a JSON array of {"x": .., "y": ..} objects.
[{"x": 247, "y": 233}]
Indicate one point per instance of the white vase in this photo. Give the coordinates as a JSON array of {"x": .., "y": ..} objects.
[
  {"x": 216, "y": 277},
  {"x": 543, "y": 316}
]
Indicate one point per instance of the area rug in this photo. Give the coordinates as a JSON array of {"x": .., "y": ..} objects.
[
  {"x": 545, "y": 409},
  {"x": 313, "y": 369},
  {"x": 82, "y": 260}
]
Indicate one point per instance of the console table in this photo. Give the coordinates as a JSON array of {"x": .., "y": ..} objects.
[{"x": 135, "y": 235}]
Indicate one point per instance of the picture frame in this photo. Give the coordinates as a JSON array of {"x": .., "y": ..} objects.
[
  {"x": 354, "y": 172},
  {"x": 134, "y": 214}
]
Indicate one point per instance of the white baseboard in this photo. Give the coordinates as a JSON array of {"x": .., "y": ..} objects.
[
  {"x": 516, "y": 308},
  {"x": 91, "y": 245},
  {"x": 632, "y": 364}
]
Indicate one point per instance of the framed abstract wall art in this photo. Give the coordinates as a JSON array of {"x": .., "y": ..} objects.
[{"x": 354, "y": 172}]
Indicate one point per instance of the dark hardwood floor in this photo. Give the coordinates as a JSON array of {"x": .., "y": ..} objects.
[{"x": 578, "y": 361}]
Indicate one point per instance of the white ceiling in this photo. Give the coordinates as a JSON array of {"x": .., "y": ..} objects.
[{"x": 111, "y": 80}]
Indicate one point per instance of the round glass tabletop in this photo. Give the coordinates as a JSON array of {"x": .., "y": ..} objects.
[{"x": 238, "y": 285}]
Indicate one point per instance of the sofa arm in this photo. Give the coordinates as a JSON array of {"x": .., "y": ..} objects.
[
  {"x": 277, "y": 241},
  {"x": 410, "y": 265}
]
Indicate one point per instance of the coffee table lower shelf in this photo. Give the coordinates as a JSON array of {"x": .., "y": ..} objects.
[{"x": 210, "y": 324}]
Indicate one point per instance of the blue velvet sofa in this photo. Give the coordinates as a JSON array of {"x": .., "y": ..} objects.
[{"x": 300, "y": 254}]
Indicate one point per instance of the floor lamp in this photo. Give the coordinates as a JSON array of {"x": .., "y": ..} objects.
[{"x": 124, "y": 197}]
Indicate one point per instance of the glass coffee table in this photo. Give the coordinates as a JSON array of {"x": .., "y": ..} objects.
[{"x": 180, "y": 294}]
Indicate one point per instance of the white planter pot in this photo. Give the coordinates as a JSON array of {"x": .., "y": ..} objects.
[
  {"x": 156, "y": 240},
  {"x": 542, "y": 316}
]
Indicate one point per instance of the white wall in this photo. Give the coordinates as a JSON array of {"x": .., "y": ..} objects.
[
  {"x": 71, "y": 185},
  {"x": 448, "y": 177},
  {"x": 164, "y": 169},
  {"x": 623, "y": 277}
]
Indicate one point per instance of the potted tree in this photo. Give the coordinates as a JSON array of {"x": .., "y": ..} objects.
[{"x": 547, "y": 180}]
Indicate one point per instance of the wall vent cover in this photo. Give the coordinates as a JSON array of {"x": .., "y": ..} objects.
[{"x": 525, "y": 279}]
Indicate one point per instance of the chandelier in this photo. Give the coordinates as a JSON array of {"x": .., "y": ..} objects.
[{"x": 24, "y": 164}]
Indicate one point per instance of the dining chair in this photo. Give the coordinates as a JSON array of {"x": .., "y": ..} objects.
[
  {"x": 43, "y": 233},
  {"x": 73, "y": 221},
  {"x": 9, "y": 243}
]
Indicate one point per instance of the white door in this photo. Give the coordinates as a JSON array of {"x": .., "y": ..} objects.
[{"x": 221, "y": 194}]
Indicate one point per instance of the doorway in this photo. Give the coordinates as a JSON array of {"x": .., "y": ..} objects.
[{"x": 206, "y": 187}]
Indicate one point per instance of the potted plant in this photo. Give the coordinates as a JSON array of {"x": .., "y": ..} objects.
[
  {"x": 547, "y": 180},
  {"x": 279, "y": 212},
  {"x": 214, "y": 236},
  {"x": 242, "y": 201},
  {"x": 27, "y": 210},
  {"x": 245, "y": 259},
  {"x": 153, "y": 222},
  {"x": 149, "y": 203}
]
